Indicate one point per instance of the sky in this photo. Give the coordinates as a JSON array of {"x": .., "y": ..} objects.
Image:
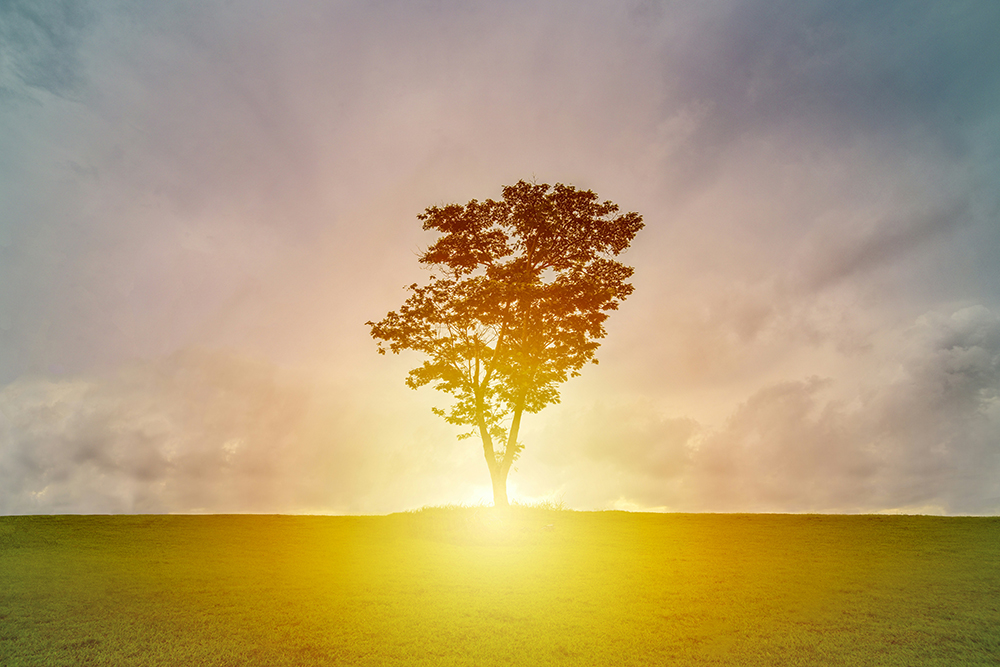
[{"x": 202, "y": 203}]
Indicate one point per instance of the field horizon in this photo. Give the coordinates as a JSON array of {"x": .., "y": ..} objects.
[{"x": 477, "y": 585}]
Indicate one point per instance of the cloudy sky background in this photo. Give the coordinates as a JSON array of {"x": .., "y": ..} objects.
[{"x": 202, "y": 203}]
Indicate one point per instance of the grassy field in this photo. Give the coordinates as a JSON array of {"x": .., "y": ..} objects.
[{"x": 469, "y": 586}]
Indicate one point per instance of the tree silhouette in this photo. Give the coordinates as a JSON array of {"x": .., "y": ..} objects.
[{"x": 516, "y": 306}]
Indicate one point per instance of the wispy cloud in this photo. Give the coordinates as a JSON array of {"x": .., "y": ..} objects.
[{"x": 40, "y": 49}]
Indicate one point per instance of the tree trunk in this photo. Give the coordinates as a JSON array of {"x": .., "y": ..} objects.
[
  {"x": 498, "y": 471},
  {"x": 499, "y": 476}
]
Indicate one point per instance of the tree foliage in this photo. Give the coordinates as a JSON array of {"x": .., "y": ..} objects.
[{"x": 516, "y": 304}]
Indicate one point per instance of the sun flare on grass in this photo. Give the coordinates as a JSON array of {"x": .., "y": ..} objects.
[{"x": 486, "y": 586}]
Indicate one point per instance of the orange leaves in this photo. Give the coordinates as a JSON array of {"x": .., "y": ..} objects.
[{"x": 529, "y": 281}]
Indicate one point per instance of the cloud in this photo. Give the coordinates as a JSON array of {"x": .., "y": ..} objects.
[
  {"x": 197, "y": 430},
  {"x": 245, "y": 178},
  {"x": 884, "y": 69},
  {"x": 211, "y": 431},
  {"x": 851, "y": 252},
  {"x": 592, "y": 453},
  {"x": 40, "y": 48},
  {"x": 925, "y": 436},
  {"x": 211, "y": 142}
]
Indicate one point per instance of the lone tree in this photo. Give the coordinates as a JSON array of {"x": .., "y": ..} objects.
[{"x": 516, "y": 306}]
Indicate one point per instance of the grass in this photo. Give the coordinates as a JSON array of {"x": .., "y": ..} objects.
[{"x": 473, "y": 586}]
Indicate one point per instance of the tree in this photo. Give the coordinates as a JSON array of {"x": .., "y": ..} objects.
[{"x": 516, "y": 306}]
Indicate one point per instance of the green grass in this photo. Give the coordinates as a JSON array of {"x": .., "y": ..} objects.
[{"x": 470, "y": 586}]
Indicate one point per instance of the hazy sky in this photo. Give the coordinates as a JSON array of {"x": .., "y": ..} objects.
[{"x": 201, "y": 203}]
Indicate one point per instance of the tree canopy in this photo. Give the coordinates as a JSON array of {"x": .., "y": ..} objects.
[{"x": 515, "y": 306}]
